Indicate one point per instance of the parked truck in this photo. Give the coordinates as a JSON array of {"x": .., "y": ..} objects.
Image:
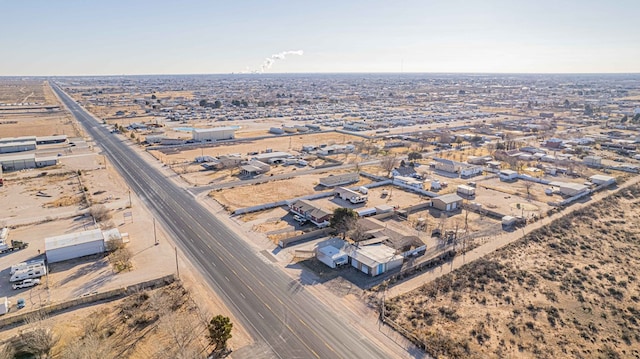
[{"x": 15, "y": 246}]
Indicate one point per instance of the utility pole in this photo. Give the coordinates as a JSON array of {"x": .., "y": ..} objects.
[
  {"x": 155, "y": 237},
  {"x": 177, "y": 269},
  {"x": 130, "y": 205}
]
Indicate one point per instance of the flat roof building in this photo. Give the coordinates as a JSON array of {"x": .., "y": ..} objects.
[{"x": 213, "y": 134}]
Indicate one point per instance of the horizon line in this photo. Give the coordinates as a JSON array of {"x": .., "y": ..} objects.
[{"x": 330, "y": 73}]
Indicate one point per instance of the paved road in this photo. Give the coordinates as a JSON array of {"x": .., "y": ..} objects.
[{"x": 285, "y": 320}]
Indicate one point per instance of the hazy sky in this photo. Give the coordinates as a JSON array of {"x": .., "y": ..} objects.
[{"x": 74, "y": 37}]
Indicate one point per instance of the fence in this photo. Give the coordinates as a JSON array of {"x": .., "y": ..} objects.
[
  {"x": 569, "y": 200},
  {"x": 92, "y": 298},
  {"x": 305, "y": 236}
]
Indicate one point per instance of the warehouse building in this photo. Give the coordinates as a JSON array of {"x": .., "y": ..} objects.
[
  {"x": 25, "y": 161},
  {"x": 79, "y": 244},
  {"x": 18, "y": 139},
  {"x": 213, "y": 134},
  {"x": 21, "y": 146}
]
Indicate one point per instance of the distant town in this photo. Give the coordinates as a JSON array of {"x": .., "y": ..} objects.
[{"x": 368, "y": 192}]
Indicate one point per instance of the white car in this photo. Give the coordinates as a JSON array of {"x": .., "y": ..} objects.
[
  {"x": 299, "y": 219},
  {"x": 26, "y": 283}
]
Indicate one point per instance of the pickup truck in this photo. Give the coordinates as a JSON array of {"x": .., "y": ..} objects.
[{"x": 26, "y": 283}]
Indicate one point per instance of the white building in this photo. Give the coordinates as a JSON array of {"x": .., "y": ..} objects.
[
  {"x": 79, "y": 244},
  {"x": 332, "y": 256},
  {"x": 351, "y": 196},
  {"x": 508, "y": 175},
  {"x": 602, "y": 179},
  {"x": 375, "y": 259},
  {"x": 213, "y": 134}
]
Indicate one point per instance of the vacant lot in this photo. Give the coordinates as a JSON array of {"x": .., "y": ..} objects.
[
  {"x": 253, "y": 195},
  {"x": 21, "y": 91},
  {"x": 569, "y": 289}
]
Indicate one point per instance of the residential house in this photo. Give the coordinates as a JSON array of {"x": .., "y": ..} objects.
[
  {"x": 482, "y": 160},
  {"x": 445, "y": 165},
  {"x": 404, "y": 171},
  {"x": 317, "y": 215}
]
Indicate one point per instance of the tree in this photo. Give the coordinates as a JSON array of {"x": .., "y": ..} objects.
[
  {"x": 38, "y": 340},
  {"x": 203, "y": 103},
  {"x": 217, "y": 104},
  {"x": 153, "y": 97},
  {"x": 220, "y": 331},
  {"x": 624, "y": 119},
  {"x": 636, "y": 117},
  {"x": 389, "y": 163},
  {"x": 412, "y": 156},
  {"x": 343, "y": 220},
  {"x": 588, "y": 110},
  {"x": 100, "y": 213},
  {"x": 527, "y": 186}
]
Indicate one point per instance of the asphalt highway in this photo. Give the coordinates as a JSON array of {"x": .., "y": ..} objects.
[{"x": 275, "y": 310}]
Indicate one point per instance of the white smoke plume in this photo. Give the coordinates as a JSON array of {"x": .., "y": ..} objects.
[{"x": 269, "y": 61}]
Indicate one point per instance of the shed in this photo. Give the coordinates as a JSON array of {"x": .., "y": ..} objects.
[
  {"x": 448, "y": 202},
  {"x": 466, "y": 190}
]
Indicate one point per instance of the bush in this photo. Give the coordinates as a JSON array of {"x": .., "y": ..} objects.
[{"x": 100, "y": 213}]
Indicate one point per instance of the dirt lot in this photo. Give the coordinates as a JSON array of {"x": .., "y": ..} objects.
[
  {"x": 21, "y": 91},
  {"x": 561, "y": 291},
  {"x": 246, "y": 196}
]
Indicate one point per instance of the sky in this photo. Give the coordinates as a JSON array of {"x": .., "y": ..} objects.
[{"x": 74, "y": 37}]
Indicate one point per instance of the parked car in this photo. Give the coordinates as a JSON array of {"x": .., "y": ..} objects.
[
  {"x": 21, "y": 303},
  {"x": 26, "y": 283},
  {"x": 300, "y": 219}
]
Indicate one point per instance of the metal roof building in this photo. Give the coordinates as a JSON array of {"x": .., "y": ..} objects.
[{"x": 75, "y": 245}]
